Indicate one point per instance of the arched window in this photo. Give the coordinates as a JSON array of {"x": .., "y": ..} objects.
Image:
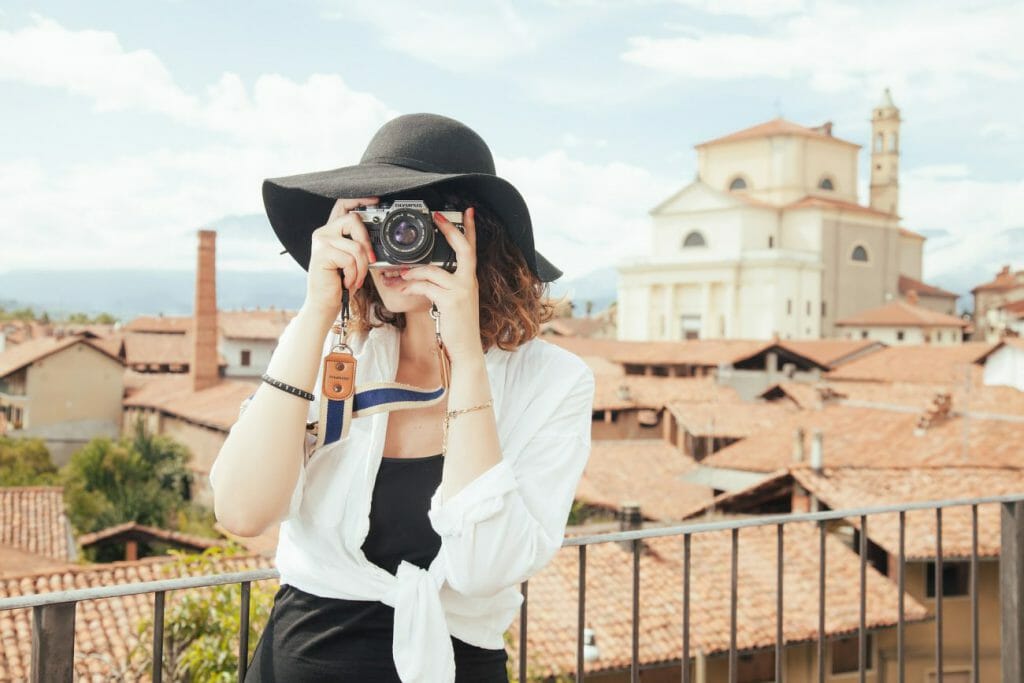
[
  {"x": 879, "y": 142},
  {"x": 826, "y": 183},
  {"x": 738, "y": 183},
  {"x": 859, "y": 254},
  {"x": 694, "y": 239},
  {"x": 894, "y": 140}
]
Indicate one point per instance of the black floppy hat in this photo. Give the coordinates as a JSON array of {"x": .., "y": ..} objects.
[{"x": 409, "y": 152}]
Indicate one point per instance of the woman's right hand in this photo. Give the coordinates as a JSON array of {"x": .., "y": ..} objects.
[{"x": 341, "y": 243}]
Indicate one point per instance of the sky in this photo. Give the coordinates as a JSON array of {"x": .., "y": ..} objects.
[{"x": 128, "y": 126}]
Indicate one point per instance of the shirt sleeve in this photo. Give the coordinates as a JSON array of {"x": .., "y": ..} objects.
[{"x": 508, "y": 523}]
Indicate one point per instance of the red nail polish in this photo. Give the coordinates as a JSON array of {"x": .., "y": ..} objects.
[{"x": 439, "y": 218}]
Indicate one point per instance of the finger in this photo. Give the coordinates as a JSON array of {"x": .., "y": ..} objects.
[
  {"x": 427, "y": 289},
  {"x": 459, "y": 243},
  {"x": 351, "y": 224},
  {"x": 430, "y": 273},
  {"x": 362, "y": 264},
  {"x": 343, "y": 260},
  {"x": 469, "y": 221},
  {"x": 345, "y": 204}
]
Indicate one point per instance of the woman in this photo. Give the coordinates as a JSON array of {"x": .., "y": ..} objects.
[{"x": 401, "y": 542}]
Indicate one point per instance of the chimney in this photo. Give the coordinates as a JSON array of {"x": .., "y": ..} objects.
[
  {"x": 912, "y": 297},
  {"x": 629, "y": 519},
  {"x": 817, "y": 451},
  {"x": 936, "y": 412},
  {"x": 589, "y": 307},
  {"x": 203, "y": 366},
  {"x": 798, "y": 445}
]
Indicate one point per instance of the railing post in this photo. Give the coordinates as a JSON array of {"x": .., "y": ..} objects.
[
  {"x": 1011, "y": 591},
  {"x": 53, "y": 643}
]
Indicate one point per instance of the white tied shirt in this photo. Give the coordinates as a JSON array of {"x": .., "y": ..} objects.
[{"x": 497, "y": 531}]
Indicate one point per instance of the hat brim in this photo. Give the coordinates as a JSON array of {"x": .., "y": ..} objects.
[{"x": 297, "y": 205}]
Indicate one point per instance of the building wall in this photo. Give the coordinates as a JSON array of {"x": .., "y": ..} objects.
[
  {"x": 1005, "y": 366},
  {"x": 852, "y": 286},
  {"x": 260, "y": 351},
  {"x": 76, "y": 383},
  {"x": 939, "y": 304},
  {"x": 204, "y": 444},
  {"x": 942, "y": 336},
  {"x": 911, "y": 256},
  {"x": 781, "y": 169}
]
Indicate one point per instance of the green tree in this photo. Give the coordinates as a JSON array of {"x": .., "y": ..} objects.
[
  {"x": 143, "y": 479},
  {"x": 201, "y": 626},
  {"x": 26, "y": 462}
]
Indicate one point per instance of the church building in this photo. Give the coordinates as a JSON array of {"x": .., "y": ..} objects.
[{"x": 770, "y": 239}]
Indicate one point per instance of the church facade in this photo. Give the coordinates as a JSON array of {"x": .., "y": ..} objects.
[{"x": 770, "y": 239}]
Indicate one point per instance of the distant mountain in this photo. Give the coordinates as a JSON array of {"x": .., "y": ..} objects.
[{"x": 128, "y": 293}]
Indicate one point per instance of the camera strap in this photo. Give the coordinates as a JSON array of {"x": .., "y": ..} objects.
[{"x": 341, "y": 401}]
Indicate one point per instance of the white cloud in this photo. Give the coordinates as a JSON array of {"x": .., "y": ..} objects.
[
  {"x": 586, "y": 216},
  {"x": 143, "y": 209},
  {"x": 461, "y": 36},
  {"x": 836, "y": 46}
]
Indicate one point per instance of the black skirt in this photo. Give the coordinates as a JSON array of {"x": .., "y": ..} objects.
[{"x": 313, "y": 638}]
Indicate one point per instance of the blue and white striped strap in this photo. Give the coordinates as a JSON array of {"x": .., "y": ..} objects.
[{"x": 377, "y": 397}]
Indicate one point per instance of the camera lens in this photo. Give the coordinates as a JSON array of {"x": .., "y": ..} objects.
[
  {"x": 404, "y": 232},
  {"x": 406, "y": 236}
]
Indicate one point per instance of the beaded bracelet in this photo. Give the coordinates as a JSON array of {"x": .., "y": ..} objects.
[{"x": 287, "y": 387}]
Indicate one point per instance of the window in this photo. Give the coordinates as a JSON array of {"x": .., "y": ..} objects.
[
  {"x": 895, "y": 138},
  {"x": 789, "y": 307},
  {"x": 738, "y": 183},
  {"x": 808, "y": 308},
  {"x": 859, "y": 253},
  {"x": 826, "y": 184},
  {"x": 823, "y": 309},
  {"x": 863, "y": 334},
  {"x": 694, "y": 239},
  {"x": 956, "y": 578},
  {"x": 879, "y": 142},
  {"x": 899, "y": 335},
  {"x": 771, "y": 241},
  {"x": 246, "y": 358},
  {"x": 846, "y": 654}
]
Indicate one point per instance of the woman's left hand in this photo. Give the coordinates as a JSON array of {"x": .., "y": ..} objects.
[{"x": 457, "y": 294}]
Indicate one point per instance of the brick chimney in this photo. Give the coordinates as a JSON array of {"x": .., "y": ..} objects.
[{"x": 203, "y": 366}]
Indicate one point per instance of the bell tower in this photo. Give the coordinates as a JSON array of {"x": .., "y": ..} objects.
[{"x": 885, "y": 155}]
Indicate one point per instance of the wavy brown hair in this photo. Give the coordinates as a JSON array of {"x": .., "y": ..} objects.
[{"x": 513, "y": 301}]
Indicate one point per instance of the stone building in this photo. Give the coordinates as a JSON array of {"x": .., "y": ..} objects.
[{"x": 770, "y": 239}]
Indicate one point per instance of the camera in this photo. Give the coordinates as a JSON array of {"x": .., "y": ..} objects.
[{"x": 403, "y": 232}]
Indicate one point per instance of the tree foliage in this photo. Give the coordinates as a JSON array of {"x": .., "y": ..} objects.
[
  {"x": 143, "y": 478},
  {"x": 26, "y": 462},
  {"x": 202, "y": 625}
]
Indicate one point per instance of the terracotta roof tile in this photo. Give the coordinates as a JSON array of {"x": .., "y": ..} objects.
[
  {"x": 134, "y": 528},
  {"x": 830, "y": 203},
  {"x": 215, "y": 407},
  {"x": 28, "y": 352},
  {"x": 153, "y": 348},
  {"x": 645, "y": 391},
  {"x": 830, "y": 352},
  {"x": 902, "y": 314},
  {"x": 906, "y": 284},
  {"x": 869, "y": 437},
  {"x": 265, "y": 324},
  {"x": 1004, "y": 280},
  {"x": 850, "y": 488},
  {"x": 702, "y": 352},
  {"x": 982, "y": 398},
  {"x": 777, "y": 126},
  {"x": 105, "y": 629},
  {"x": 645, "y": 471},
  {"x": 912, "y": 234},
  {"x": 737, "y": 420},
  {"x": 576, "y": 327},
  {"x": 553, "y": 596},
  {"x": 927, "y": 363},
  {"x": 33, "y": 520}
]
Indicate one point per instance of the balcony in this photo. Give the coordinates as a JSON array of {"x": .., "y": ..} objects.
[{"x": 705, "y": 643}]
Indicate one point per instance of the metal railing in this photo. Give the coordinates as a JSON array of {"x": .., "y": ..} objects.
[{"x": 53, "y": 614}]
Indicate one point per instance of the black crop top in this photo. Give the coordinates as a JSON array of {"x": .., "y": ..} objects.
[{"x": 330, "y": 637}]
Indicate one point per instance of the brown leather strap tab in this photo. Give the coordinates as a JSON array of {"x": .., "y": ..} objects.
[{"x": 339, "y": 375}]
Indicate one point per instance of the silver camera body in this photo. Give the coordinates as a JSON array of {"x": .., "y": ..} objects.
[{"x": 403, "y": 233}]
